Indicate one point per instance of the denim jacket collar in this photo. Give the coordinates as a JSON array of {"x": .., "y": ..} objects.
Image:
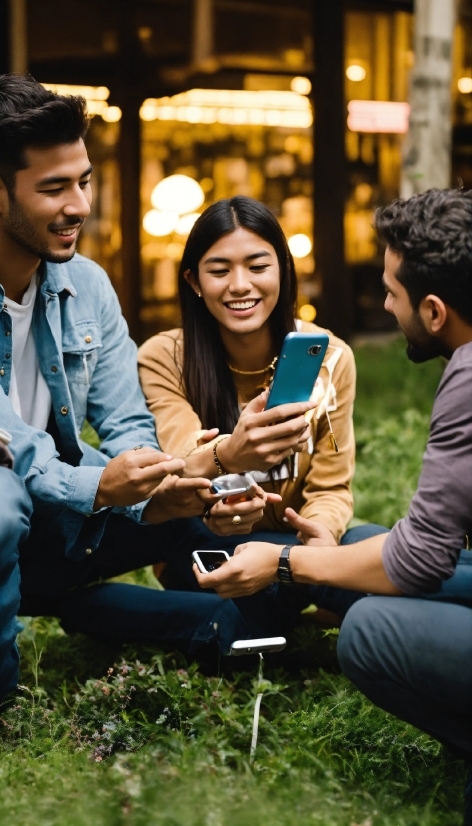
[{"x": 54, "y": 279}]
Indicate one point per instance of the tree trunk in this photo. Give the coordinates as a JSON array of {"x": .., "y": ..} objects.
[{"x": 427, "y": 151}]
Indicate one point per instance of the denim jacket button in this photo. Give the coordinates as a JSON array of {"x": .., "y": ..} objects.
[
  {"x": 64, "y": 410},
  {"x": 8, "y": 333},
  {"x": 54, "y": 368},
  {"x": 2, "y": 371},
  {"x": 88, "y": 339},
  {"x": 88, "y": 551},
  {"x": 7, "y": 355}
]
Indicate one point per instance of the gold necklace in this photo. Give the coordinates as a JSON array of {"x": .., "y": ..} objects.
[{"x": 270, "y": 366}]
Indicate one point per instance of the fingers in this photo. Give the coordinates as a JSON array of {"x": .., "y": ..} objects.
[
  {"x": 285, "y": 411},
  {"x": 207, "y": 436},
  {"x": 273, "y": 498},
  {"x": 158, "y": 470},
  {"x": 258, "y": 404},
  {"x": 300, "y": 523}
]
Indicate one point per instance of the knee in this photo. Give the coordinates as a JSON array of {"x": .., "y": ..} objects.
[{"x": 361, "y": 640}]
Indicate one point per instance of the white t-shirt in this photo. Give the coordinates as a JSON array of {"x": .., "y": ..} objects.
[{"x": 29, "y": 393}]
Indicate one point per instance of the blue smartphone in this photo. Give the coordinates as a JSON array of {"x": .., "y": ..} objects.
[{"x": 297, "y": 368}]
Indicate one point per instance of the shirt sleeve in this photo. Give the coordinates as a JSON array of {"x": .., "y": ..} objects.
[
  {"x": 327, "y": 489},
  {"x": 422, "y": 549}
]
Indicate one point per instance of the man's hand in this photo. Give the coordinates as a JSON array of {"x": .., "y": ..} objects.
[
  {"x": 134, "y": 476},
  {"x": 253, "y": 567},
  {"x": 221, "y": 514},
  {"x": 309, "y": 531},
  {"x": 176, "y": 498}
]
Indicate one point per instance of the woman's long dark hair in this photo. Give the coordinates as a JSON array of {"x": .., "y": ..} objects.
[{"x": 207, "y": 379}]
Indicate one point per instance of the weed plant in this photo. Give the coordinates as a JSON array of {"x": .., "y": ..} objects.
[{"x": 142, "y": 737}]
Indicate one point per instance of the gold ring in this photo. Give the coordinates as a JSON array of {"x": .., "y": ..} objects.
[{"x": 236, "y": 520}]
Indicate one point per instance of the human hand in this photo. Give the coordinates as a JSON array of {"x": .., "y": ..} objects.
[
  {"x": 207, "y": 436},
  {"x": 220, "y": 515},
  {"x": 309, "y": 531},
  {"x": 263, "y": 438},
  {"x": 253, "y": 567},
  {"x": 133, "y": 476},
  {"x": 176, "y": 498}
]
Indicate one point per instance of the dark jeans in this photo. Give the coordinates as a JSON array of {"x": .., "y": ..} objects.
[
  {"x": 413, "y": 658},
  {"x": 275, "y": 610},
  {"x": 14, "y": 525},
  {"x": 76, "y": 592}
]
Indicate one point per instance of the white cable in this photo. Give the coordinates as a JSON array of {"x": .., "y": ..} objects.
[{"x": 255, "y": 727}]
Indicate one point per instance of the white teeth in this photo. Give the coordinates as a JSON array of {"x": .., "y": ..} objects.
[
  {"x": 241, "y": 305},
  {"x": 66, "y": 232}
]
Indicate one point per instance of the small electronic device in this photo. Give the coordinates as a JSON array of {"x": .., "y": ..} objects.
[
  {"x": 297, "y": 368},
  {"x": 208, "y": 561},
  {"x": 234, "y": 487},
  {"x": 240, "y": 647}
]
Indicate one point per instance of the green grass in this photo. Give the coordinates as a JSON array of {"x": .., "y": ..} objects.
[{"x": 144, "y": 738}]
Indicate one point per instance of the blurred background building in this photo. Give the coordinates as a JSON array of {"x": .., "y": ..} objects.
[{"x": 302, "y": 104}]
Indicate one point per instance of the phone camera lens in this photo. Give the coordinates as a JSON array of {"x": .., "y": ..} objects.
[{"x": 314, "y": 350}]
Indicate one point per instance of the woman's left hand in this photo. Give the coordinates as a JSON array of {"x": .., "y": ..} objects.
[{"x": 227, "y": 518}]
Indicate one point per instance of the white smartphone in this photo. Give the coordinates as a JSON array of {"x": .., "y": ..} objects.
[
  {"x": 234, "y": 487},
  {"x": 208, "y": 561},
  {"x": 239, "y": 647}
]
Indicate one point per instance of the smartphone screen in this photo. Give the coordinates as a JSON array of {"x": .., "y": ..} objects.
[{"x": 208, "y": 561}]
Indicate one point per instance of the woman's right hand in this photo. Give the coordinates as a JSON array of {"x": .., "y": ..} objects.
[{"x": 263, "y": 438}]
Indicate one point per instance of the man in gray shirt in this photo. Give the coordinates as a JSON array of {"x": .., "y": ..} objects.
[{"x": 409, "y": 648}]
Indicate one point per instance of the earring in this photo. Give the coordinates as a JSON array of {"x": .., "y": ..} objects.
[{"x": 199, "y": 295}]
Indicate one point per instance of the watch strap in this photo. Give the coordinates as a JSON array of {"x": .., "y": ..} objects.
[{"x": 284, "y": 571}]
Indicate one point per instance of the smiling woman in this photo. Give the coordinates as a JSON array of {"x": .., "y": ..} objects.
[{"x": 206, "y": 383}]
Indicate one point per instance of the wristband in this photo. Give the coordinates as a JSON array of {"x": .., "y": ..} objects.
[{"x": 284, "y": 571}]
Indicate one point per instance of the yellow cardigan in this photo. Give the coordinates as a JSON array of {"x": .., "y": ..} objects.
[{"x": 322, "y": 488}]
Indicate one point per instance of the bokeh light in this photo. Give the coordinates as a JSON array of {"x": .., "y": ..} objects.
[
  {"x": 307, "y": 312},
  {"x": 355, "y": 72},
  {"x": 186, "y": 222},
  {"x": 157, "y": 222},
  {"x": 299, "y": 245},
  {"x": 177, "y": 193},
  {"x": 112, "y": 114},
  {"x": 301, "y": 85},
  {"x": 464, "y": 84}
]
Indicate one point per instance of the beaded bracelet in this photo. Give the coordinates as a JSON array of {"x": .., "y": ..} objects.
[{"x": 219, "y": 466}]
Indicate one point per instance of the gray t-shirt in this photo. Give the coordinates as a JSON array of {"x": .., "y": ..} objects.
[{"x": 422, "y": 549}]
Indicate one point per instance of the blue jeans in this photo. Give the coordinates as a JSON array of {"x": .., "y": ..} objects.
[
  {"x": 75, "y": 591},
  {"x": 14, "y": 526},
  {"x": 413, "y": 658},
  {"x": 275, "y": 610}
]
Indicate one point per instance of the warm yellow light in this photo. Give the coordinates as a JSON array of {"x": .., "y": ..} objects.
[
  {"x": 186, "y": 223},
  {"x": 301, "y": 85},
  {"x": 355, "y": 72},
  {"x": 177, "y": 193},
  {"x": 234, "y": 107},
  {"x": 112, "y": 114},
  {"x": 88, "y": 92},
  {"x": 299, "y": 245},
  {"x": 307, "y": 312},
  {"x": 160, "y": 223},
  {"x": 464, "y": 84}
]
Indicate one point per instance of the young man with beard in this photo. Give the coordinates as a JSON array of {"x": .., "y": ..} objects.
[
  {"x": 65, "y": 355},
  {"x": 409, "y": 647}
]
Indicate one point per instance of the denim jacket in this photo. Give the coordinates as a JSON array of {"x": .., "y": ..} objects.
[{"x": 89, "y": 363}]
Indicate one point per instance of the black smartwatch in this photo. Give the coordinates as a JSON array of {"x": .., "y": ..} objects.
[{"x": 284, "y": 571}]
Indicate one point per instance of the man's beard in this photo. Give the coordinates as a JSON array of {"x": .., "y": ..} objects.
[
  {"x": 22, "y": 231},
  {"x": 421, "y": 346}
]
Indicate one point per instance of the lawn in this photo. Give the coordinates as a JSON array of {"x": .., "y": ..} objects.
[{"x": 142, "y": 737}]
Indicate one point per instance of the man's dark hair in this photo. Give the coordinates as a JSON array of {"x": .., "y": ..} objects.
[
  {"x": 433, "y": 234},
  {"x": 31, "y": 116}
]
